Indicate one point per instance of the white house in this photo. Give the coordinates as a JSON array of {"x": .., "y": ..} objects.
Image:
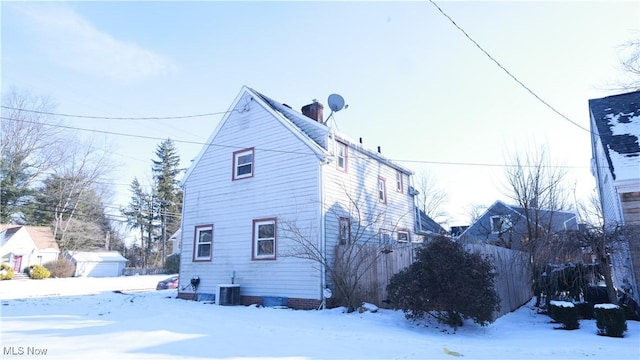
[
  {"x": 22, "y": 246},
  {"x": 615, "y": 163},
  {"x": 267, "y": 170},
  {"x": 97, "y": 263}
]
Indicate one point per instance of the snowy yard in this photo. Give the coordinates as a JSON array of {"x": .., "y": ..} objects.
[{"x": 77, "y": 318}]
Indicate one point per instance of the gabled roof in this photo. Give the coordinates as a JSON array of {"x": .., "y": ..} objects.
[
  {"x": 42, "y": 236},
  {"x": 96, "y": 256},
  {"x": 557, "y": 217},
  {"x": 310, "y": 132},
  {"x": 617, "y": 122},
  {"x": 427, "y": 224}
]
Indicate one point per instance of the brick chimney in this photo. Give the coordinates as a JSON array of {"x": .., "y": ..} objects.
[{"x": 314, "y": 111}]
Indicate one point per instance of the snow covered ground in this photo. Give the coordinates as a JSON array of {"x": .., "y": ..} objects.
[{"x": 77, "y": 318}]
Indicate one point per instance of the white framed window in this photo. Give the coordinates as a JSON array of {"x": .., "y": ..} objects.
[
  {"x": 500, "y": 223},
  {"x": 341, "y": 155},
  {"x": 243, "y": 164},
  {"x": 402, "y": 236},
  {"x": 399, "y": 182},
  {"x": 384, "y": 236},
  {"x": 203, "y": 243},
  {"x": 345, "y": 230},
  {"x": 382, "y": 190},
  {"x": 264, "y": 239}
]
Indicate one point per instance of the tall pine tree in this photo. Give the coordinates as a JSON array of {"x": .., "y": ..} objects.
[{"x": 166, "y": 170}]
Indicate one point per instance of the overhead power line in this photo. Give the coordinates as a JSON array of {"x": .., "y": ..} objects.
[
  {"x": 507, "y": 71},
  {"x": 115, "y": 118},
  {"x": 289, "y": 151}
]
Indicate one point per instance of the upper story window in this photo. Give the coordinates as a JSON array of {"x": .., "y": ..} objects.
[
  {"x": 203, "y": 243},
  {"x": 399, "y": 181},
  {"x": 500, "y": 223},
  {"x": 243, "y": 164},
  {"x": 341, "y": 155},
  {"x": 264, "y": 239},
  {"x": 345, "y": 230},
  {"x": 382, "y": 190}
]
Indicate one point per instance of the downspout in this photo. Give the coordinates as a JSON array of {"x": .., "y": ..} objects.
[
  {"x": 323, "y": 243},
  {"x": 418, "y": 223},
  {"x": 182, "y": 232}
]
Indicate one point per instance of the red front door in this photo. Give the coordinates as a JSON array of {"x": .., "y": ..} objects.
[{"x": 17, "y": 263}]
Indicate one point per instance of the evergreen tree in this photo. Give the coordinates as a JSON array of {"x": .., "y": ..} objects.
[
  {"x": 166, "y": 169},
  {"x": 448, "y": 283},
  {"x": 141, "y": 215},
  {"x": 76, "y": 210}
]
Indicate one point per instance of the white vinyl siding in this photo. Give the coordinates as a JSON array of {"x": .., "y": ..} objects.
[
  {"x": 354, "y": 195},
  {"x": 274, "y": 192}
]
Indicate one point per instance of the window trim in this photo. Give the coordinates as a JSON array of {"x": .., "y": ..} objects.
[
  {"x": 236, "y": 156},
  {"x": 381, "y": 233},
  {"x": 254, "y": 240},
  {"x": 403, "y": 231},
  {"x": 341, "y": 145},
  {"x": 400, "y": 181},
  {"x": 196, "y": 231},
  {"x": 342, "y": 240},
  {"x": 505, "y": 223},
  {"x": 382, "y": 191}
]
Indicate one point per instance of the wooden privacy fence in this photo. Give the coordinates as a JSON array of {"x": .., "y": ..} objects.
[
  {"x": 129, "y": 271},
  {"x": 513, "y": 279}
]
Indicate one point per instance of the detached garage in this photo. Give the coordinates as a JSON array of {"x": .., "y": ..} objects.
[{"x": 97, "y": 264}]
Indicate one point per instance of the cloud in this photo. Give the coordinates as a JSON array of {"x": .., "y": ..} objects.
[{"x": 72, "y": 41}]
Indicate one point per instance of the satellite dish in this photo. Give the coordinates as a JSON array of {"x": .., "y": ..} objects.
[{"x": 336, "y": 102}]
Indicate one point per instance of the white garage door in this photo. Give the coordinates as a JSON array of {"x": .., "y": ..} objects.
[{"x": 104, "y": 269}]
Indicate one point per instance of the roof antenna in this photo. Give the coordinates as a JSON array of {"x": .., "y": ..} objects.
[{"x": 336, "y": 103}]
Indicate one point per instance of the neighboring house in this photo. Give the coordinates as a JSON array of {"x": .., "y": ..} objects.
[
  {"x": 176, "y": 241},
  {"x": 505, "y": 225},
  {"x": 97, "y": 264},
  {"x": 22, "y": 246},
  {"x": 427, "y": 227},
  {"x": 269, "y": 177},
  {"x": 615, "y": 163}
]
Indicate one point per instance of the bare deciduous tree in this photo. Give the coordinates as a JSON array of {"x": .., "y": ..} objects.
[
  {"x": 357, "y": 249},
  {"x": 536, "y": 185},
  {"x": 431, "y": 198},
  {"x": 630, "y": 65},
  {"x": 29, "y": 148},
  {"x": 86, "y": 165}
]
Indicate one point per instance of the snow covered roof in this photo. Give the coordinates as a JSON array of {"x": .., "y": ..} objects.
[
  {"x": 97, "y": 256},
  {"x": 617, "y": 122},
  {"x": 319, "y": 132}
]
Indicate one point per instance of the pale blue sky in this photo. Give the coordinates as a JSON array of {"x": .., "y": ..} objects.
[{"x": 414, "y": 84}]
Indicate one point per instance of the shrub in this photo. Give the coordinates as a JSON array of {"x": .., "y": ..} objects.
[
  {"x": 610, "y": 320},
  {"x": 61, "y": 268},
  {"x": 565, "y": 313},
  {"x": 6, "y": 272},
  {"x": 38, "y": 272},
  {"x": 447, "y": 282},
  {"x": 584, "y": 310},
  {"x": 172, "y": 264}
]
